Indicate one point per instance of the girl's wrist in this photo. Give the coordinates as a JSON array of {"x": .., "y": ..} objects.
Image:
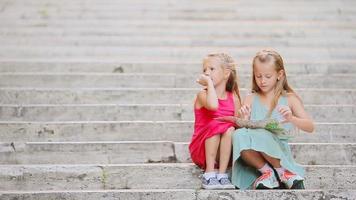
[
  {"x": 293, "y": 119},
  {"x": 210, "y": 84}
]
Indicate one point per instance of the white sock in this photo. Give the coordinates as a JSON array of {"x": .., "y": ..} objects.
[
  {"x": 209, "y": 175},
  {"x": 265, "y": 168},
  {"x": 280, "y": 171},
  {"x": 220, "y": 176}
]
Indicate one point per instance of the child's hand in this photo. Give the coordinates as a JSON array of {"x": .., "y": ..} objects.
[
  {"x": 245, "y": 112},
  {"x": 286, "y": 113},
  {"x": 204, "y": 80}
]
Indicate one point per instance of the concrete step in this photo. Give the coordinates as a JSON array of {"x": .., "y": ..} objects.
[
  {"x": 136, "y": 30},
  {"x": 126, "y": 152},
  {"x": 129, "y": 176},
  {"x": 87, "y": 152},
  {"x": 241, "y": 7},
  {"x": 285, "y": 15},
  {"x": 138, "y": 7},
  {"x": 105, "y": 80},
  {"x": 143, "y": 112},
  {"x": 239, "y": 13},
  {"x": 171, "y": 53},
  {"x": 114, "y": 41},
  {"x": 178, "y": 131},
  {"x": 178, "y": 194},
  {"x": 303, "y": 153},
  {"x": 313, "y": 24},
  {"x": 140, "y": 3},
  {"x": 200, "y": 11},
  {"x": 105, "y": 66},
  {"x": 152, "y": 95},
  {"x": 173, "y": 5}
]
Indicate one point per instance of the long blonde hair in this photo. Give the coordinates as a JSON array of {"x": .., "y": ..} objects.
[
  {"x": 282, "y": 87},
  {"x": 227, "y": 62}
]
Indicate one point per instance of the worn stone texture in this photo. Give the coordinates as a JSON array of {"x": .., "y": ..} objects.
[{"x": 96, "y": 97}]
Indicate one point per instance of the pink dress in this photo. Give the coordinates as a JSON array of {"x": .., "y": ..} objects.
[{"x": 206, "y": 126}]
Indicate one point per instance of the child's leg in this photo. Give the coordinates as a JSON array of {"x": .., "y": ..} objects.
[
  {"x": 273, "y": 161},
  {"x": 224, "y": 154},
  {"x": 267, "y": 180},
  {"x": 253, "y": 158},
  {"x": 211, "y": 148},
  {"x": 291, "y": 180},
  {"x": 225, "y": 150}
]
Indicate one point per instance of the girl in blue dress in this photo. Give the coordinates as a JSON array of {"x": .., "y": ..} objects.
[{"x": 258, "y": 153}]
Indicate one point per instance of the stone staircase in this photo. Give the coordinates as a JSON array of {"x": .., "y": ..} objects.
[{"x": 96, "y": 96}]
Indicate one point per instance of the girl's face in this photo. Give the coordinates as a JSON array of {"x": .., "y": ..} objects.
[
  {"x": 266, "y": 75},
  {"x": 212, "y": 68}
]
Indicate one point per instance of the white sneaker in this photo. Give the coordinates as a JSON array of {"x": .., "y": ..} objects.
[
  {"x": 226, "y": 184},
  {"x": 211, "y": 184},
  {"x": 292, "y": 181}
]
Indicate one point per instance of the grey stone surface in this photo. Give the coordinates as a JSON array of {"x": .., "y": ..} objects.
[
  {"x": 84, "y": 80},
  {"x": 143, "y": 176},
  {"x": 186, "y": 194},
  {"x": 169, "y": 53},
  {"x": 143, "y": 112},
  {"x": 151, "y": 152},
  {"x": 102, "y": 194},
  {"x": 150, "y": 95},
  {"x": 87, "y": 152},
  {"x": 175, "y": 41},
  {"x": 178, "y": 131},
  {"x": 279, "y": 194},
  {"x": 245, "y": 30},
  {"x": 99, "y": 53},
  {"x": 303, "y": 153},
  {"x": 195, "y": 67}
]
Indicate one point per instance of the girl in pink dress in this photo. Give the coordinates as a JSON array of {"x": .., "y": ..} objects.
[{"x": 211, "y": 145}]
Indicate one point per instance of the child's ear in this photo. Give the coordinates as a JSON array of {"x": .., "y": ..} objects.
[
  {"x": 280, "y": 74},
  {"x": 227, "y": 73}
]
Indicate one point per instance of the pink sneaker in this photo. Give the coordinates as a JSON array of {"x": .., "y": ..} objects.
[
  {"x": 266, "y": 181},
  {"x": 292, "y": 181}
]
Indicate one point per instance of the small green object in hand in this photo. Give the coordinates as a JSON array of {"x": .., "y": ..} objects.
[{"x": 275, "y": 127}]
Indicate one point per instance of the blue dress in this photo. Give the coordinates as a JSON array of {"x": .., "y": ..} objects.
[{"x": 261, "y": 140}]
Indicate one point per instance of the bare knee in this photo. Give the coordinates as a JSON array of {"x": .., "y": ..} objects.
[
  {"x": 248, "y": 152},
  {"x": 228, "y": 132},
  {"x": 253, "y": 158}
]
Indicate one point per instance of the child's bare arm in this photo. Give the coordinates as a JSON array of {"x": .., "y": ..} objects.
[
  {"x": 207, "y": 98},
  {"x": 237, "y": 105},
  {"x": 298, "y": 116},
  {"x": 245, "y": 110}
]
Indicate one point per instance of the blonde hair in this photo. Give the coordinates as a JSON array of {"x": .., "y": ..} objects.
[
  {"x": 282, "y": 87},
  {"x": 227, "y": 62}
]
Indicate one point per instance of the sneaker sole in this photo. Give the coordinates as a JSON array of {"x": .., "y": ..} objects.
[
  {"x": 212, "y": 187},
  {"x": 262, "y": 187},
  {"x": 298, "y": 185},
  {"x": 228, "y": 187}
]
